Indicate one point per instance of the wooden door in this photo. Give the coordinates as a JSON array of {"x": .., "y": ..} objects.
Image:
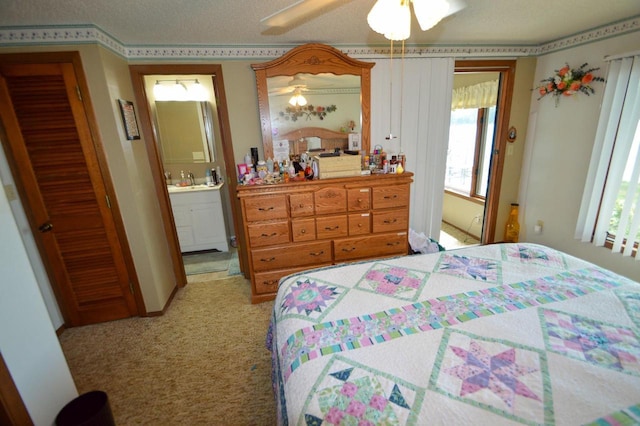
[{"x": 54, "y": 160}]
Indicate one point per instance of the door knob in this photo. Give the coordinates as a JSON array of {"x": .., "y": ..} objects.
[{"x": 45, "y": 227}]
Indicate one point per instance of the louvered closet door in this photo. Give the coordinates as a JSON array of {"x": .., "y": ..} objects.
[{"x": 51, "y": 145}]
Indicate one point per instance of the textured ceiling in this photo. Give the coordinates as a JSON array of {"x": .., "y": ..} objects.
[{"x": 237, "y": 22}]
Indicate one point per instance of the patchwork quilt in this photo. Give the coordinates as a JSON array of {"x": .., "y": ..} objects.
[{"x": 496, "y": 334}]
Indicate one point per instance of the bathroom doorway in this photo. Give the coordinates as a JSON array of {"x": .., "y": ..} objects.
[{"x": 223, "y": 155}]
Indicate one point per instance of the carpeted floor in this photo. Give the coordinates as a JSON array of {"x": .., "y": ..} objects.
[{"x": 202, "y": 363}]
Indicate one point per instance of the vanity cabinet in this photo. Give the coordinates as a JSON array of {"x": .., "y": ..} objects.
[
  {"x": 199, "y": 220},
  {"x": 294, "y": 226}
]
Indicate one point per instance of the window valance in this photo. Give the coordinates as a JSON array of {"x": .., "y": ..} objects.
[{"x": 481, "y": 95}]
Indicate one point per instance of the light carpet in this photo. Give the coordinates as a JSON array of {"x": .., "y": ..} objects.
[{"x": 203, "y": 362}]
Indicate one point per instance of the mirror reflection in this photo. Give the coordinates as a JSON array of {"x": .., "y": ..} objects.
[
  {"x": 184, "y": 131},
  {"x": 322, "y": 100},
  {"x": 313, "y": 97}
]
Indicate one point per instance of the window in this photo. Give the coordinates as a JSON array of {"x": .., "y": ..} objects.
[
  {"x": 610, "y": 210},
  {"x": 469, "y": 153}
]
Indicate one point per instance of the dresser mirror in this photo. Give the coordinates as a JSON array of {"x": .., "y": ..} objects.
[{"x": 335, "y": 91}]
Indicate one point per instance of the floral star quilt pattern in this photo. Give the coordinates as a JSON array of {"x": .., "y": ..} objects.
[{"x": 496, "y": 334}]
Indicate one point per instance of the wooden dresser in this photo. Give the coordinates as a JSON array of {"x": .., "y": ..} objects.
[{"x": 294, "y": 226}]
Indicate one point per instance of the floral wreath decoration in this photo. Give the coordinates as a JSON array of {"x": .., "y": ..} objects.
[
  {"x": 308, "y": 111},
  {"x": 567, "y": 82}
]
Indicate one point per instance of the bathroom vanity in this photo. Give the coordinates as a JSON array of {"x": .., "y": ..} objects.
[{"x": 197, "y": 211}]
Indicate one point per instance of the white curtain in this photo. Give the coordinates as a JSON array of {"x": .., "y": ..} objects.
[
  {"x": 426, "y": 85},
  {"x": 481, "y": 95},
  {"x": 614, "y": 160}
]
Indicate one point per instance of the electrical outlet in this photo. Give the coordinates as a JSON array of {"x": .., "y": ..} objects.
[{"x": 477, "y": 219}]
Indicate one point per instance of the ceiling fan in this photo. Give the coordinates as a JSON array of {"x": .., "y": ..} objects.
[
  {"x": 299, "y": 10},
  {"x": 295, "y": 83},
  {"x": 389, "y": 17}
]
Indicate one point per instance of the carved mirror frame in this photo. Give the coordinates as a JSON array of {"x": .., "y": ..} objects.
[{"x": 313, "y": 58}]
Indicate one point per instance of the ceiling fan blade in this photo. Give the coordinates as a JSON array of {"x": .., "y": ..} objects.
[
  {"x": 295, "y": 12},
  {"x": 455, "y": 6},
  {"x": 429, "y": 13},
  {"x": 282, "y": 91}
]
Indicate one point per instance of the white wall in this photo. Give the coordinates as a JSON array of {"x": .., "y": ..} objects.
[
  {"x": 28, "y": 341},
  {"x": 558, "y": 153},
  {"x": 460, "y": 212}
]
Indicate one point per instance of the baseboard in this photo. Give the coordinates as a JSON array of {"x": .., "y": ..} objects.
[{"x": 166, "y": 305}]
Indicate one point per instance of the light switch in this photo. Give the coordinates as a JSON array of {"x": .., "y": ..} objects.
[{"x": 10, "y": 191}]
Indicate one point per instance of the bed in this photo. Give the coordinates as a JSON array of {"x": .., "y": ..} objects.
[
  {"x": 495, "y": 334},
  {"x": 329, "y": 139}
]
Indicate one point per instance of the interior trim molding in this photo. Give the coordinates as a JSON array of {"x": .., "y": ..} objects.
[{"x": 85, "y": 34}]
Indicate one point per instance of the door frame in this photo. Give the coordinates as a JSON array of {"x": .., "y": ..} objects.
[
  {"x": 12, "y": 408},
  {"x": 507, "y": 69},
  {"x": 74, "y": 58},
  {"x": 138, "y": 72}
]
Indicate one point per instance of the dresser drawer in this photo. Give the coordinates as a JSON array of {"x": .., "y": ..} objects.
[
  {"x": 330, "y": 200},
  {"x": 301, "y": 204},
  {"x": 359, "y": 223},
  {"x": 265, "y": 207},
  {"x": 267, "y": 282},
  {"x": 389, "y": 220},
  {"x": 390, "y": 196},
  {"x": 332, "y": 227},
  {"x": 303, "y": 230},
  {"x": 267, "y": 234},
  {"x": 358, "y": 199},
  {"x": 370, "y": 246},
  {"x": 266, "y": 259}
]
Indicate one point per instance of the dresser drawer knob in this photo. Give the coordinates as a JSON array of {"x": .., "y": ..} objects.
[
  {"x": 390, "y": 221},
  {"x": 273, "y": 234},
  {"x": 270, "y": 282},
  {"x": 271, "y": 259},
  {"x": 389, "y": 197},
  {"x": 348, "y": 250},
  {"x": 391, "y": 244},
  {"x": 317, "y": 253},
  {"x": 331, "y": 228},
  {"x": 265, "y": 209},
  {"x": 303, "y": 231}
]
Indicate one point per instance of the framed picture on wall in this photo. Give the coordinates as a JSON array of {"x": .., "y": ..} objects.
[{"x": 129, "y": 119}]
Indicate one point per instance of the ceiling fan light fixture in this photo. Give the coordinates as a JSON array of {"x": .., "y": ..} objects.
[
  {"x": 430, "y": 12},
  {"x": 392, "y": 18},
  {"x": 297, "y": 99}
]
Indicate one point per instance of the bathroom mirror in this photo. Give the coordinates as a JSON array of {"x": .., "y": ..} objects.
[
  {"x": 336, "y": 88},
  {"x": 184, "y": 131}
]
